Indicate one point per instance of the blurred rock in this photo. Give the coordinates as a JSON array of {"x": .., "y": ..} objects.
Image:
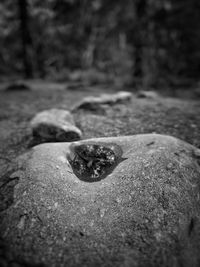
[
  {"x": 18, "y": 86},
  {"x": 55, "y": 125},
  {"x": 93, "y": 103},
  {"x": 76, "y": 86},
  {"x": 144, "y": 212},
  {"x": 147, "y": 94}
]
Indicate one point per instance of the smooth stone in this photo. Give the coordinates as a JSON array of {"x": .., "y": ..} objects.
[
  {"x": 93, "y": 103},
  {"x": 144, "y": 213},
  {"x": 55, "y": 125}
]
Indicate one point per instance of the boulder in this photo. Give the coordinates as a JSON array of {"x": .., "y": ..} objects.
[
  {"x": 122, "y": 201},
  {"x": 55, "y": 125}
]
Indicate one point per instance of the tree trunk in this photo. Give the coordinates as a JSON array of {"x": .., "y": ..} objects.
[
  {"x": 25, "y": 38},
  {"x": 40, "y": 59},
  {"x": 139, "y": 39}
]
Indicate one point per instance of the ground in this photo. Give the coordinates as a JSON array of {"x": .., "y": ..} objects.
[{"x": 164, "y": 115}]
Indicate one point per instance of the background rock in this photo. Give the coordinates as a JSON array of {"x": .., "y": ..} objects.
[
  {"x": 145, "y": 213},
  {"x": 94, "y": 103},
  {"x": 17, "y": 86},
  {"x": 55, "y": 125},
  {"x": 147, "y": 94}
]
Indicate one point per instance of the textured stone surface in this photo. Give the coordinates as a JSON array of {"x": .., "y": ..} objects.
[
  {"x": 55, "y": 125},
  {"x": 93, "y": 103},
  {"x": 144, "y": 213}
]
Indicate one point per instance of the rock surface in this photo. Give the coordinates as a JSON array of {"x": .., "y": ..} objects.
[
  {"x": 93, "y": 103},
  {"x": 55, "y": 125},
  {"x": 144, "y": 212}
]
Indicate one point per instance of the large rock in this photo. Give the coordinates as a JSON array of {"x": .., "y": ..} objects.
[
  {"x": 55, "y": 125},
  {"x": 118, "y": 201}
]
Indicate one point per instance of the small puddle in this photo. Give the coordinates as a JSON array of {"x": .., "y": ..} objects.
[{"x": 92, "y": 162}]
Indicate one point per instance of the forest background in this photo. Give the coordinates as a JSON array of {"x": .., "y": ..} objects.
[{"x": 145, "y": 43}]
